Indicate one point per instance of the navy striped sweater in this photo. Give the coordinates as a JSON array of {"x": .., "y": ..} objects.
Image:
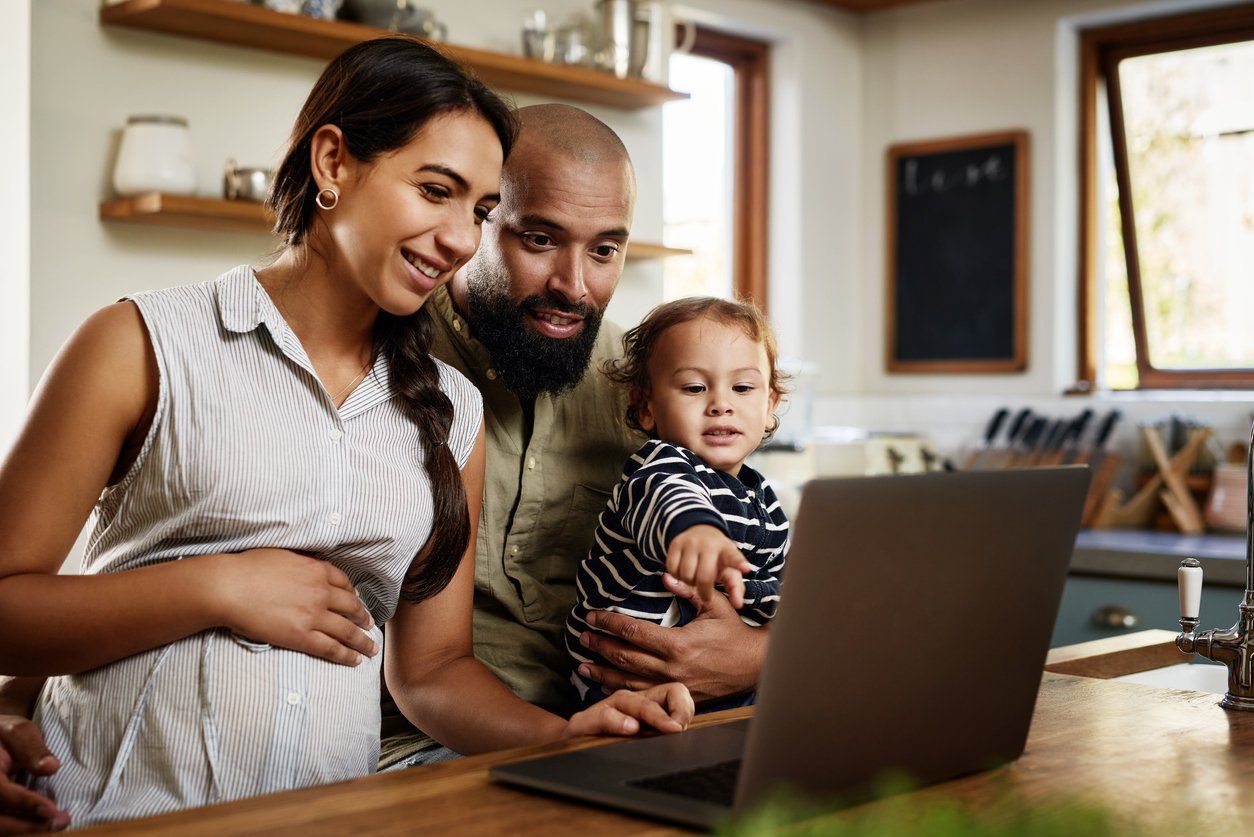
[{"x": 664, "y": 490}]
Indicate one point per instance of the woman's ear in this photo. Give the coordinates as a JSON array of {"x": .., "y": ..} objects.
[{"x": 329, "y": 159}]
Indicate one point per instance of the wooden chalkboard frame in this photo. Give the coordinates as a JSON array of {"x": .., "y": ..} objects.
[{"x": 1019, "y": 360}]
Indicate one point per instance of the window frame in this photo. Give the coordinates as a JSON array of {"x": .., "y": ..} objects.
[
  {"x": 749, "y": 60},
  {"x": 1101, "y": 50}
]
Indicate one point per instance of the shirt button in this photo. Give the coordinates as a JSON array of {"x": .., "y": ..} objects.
[
  {"x": 293, "y": 698},
  {"x": 457, "y": 325},
  {"x": 491, "y": 374},
  {"x": 335, "y": 434},
  {"x": 333, "y": 518},
  {"x": 513, "y": 550},
  {"x": 531, "y": 464}
]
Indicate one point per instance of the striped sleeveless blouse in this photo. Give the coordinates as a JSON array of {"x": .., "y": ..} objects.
[{"x": 246, "y": 450}]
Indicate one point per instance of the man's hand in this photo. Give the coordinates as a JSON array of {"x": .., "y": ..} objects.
[
  {"x": 701, "y": 555},
  {"x": 22, "y": 748},
  {"x": 715, "y": 655}
]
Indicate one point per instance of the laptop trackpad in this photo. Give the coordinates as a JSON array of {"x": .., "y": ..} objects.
[{"x": 665, "y": 753}]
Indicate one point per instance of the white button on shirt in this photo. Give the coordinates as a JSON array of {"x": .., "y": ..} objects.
[
  {"x": 335, "y": 434},
  {"x": 293, "y": 698},
  {"x": 334, "y": 518}
]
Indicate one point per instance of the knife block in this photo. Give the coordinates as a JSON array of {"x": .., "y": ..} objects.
[{"x": 1167, "y": 486}]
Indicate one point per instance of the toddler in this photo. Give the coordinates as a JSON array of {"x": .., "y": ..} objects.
[{"x": 703, "y": 384}]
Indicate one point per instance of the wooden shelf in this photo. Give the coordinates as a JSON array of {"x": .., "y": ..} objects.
[
  {"x": 641, "y": 250},
  {"x": 157, "y": 209},
  {"x": 243, "y": 24}
]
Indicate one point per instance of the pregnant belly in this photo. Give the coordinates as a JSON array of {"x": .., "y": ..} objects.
[{"x": 206, "y": 719}]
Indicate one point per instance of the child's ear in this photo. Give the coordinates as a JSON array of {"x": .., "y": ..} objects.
[{"x": 644, "y": 415}]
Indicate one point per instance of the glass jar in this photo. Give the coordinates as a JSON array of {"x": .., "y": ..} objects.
[{"x": 155, "y": 156}]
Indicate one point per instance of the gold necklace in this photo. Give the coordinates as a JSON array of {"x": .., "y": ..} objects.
[{"x": 335, "y": 399}]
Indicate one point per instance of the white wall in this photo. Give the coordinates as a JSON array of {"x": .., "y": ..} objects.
[{"x": 15, "y": 58}]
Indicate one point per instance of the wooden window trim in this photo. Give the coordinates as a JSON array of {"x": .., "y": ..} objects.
[
  {"x": 1101, "y": 50},
  {"x": 750, "y": 63}
]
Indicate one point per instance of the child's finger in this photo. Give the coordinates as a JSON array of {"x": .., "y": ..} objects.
[
  {"x": 734, "y": 583},
  {"x": 672, "y": 559},
  {"x": 707, "y": 573},
  {"x": 688, "y": 567}
]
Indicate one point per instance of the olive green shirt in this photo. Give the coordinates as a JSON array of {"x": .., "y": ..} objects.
[{"x": 548, "y": 478}]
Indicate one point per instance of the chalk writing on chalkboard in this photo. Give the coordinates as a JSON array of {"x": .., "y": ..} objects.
[{"x": 957, "y": 250}]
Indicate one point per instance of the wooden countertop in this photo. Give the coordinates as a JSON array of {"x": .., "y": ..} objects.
[{"x": 1135, "y": 749}]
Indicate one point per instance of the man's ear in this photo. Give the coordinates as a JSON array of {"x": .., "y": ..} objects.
[{"x": 329, "y": 159}]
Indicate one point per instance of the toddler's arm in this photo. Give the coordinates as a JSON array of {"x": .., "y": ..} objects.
[{"x": 668, "y": 511}]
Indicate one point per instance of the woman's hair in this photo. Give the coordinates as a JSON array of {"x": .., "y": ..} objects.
[
  {"x": 380, "y": 94},
  {"x": 632, "y": 369}
]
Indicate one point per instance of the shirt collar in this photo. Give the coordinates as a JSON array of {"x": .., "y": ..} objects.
[
  {"x": 457, "y": 330},
  {"x": 243, "y": 304}
]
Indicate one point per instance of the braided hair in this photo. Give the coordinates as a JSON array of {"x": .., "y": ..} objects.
[{"x": 380, "y": 93}]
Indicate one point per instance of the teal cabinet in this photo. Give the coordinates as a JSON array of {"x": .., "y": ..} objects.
[{"x": 1152, "y": 604}]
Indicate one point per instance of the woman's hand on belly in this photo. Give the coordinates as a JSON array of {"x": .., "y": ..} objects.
[{"x": 290, "y": 600}]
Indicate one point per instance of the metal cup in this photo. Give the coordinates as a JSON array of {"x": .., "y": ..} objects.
[
  {"x": 246, "y": 184},
  {"x": 617, "y": 24}
]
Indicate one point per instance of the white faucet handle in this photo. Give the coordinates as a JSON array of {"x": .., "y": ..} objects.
[{"x": 1189, "y": 577}]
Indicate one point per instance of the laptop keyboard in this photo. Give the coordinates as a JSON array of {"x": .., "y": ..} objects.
[{"x": 714, "y": 783}]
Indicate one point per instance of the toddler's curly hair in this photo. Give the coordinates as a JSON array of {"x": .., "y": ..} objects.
[{"x": 632, "y": 369}]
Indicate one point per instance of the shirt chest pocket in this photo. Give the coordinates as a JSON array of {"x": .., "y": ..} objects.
[{"x": 574, "y": 538}]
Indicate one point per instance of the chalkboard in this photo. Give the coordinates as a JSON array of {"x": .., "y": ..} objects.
[{"x": 957, "y": 254}]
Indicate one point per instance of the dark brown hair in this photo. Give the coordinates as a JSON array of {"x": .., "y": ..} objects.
[
  {"x": 380, "y": 94},
  {"x": 632, "y": 369}
]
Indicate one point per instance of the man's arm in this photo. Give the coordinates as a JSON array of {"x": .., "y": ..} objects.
[
  {"x": 715, "y": 655},
  {"x": 22, "y": 747}
]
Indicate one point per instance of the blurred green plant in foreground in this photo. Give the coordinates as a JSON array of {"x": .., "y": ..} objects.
[{"x": 898, "y": 814}]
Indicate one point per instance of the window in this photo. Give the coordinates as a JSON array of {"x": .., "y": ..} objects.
[
  {"x": 1167, "y": 202},
  {"x": 715, "y": 174}
]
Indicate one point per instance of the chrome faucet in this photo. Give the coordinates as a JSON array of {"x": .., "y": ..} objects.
[{"x": 1234, "y": 647}]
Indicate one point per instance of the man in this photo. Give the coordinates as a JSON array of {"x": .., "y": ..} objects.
[{"x": 523, "y": 321}]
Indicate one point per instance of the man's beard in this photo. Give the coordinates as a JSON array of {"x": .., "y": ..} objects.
[{"x": 528, "y": 362}]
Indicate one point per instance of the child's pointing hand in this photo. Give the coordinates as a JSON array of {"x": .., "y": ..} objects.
[{"x": 702, "y": 555}]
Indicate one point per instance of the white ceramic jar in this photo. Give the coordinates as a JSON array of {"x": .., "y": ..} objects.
[{"x": 155, "y": 156}]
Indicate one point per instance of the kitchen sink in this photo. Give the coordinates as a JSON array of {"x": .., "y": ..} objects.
[{"x": 1196, "y": 677}]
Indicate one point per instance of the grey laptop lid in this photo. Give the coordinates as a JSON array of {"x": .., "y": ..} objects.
[
  {"x": 913, "y": 628},
  {"x": 911, "y": 637}
]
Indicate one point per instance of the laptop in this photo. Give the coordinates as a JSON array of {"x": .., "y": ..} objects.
[{"x": 915, "y": 617}]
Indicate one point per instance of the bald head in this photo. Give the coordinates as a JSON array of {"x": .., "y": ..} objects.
[
  {"x": 553, "y": 247},
  {"x": 553, "y": 138}
]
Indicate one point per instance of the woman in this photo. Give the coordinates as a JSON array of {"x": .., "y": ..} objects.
[{"x": 278, "y": 467}]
